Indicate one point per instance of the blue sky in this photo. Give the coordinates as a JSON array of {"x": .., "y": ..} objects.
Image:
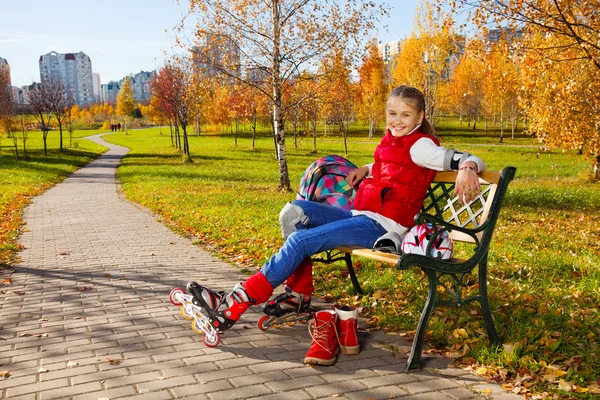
[{"x": 121, "y": 37}]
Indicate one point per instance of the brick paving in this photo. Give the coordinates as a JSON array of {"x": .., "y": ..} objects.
[{"x": 87, "y": 316}]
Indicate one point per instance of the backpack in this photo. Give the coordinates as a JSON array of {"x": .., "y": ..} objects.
[{"x": 324, "y": 181}]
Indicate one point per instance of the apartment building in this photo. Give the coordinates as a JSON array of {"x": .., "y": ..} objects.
[
  {"x": 74, "y": 70},
  {"x": 141, "y": 83},
  {"x": 109, "y": 92},
  {"x": 217, "y": 54}
]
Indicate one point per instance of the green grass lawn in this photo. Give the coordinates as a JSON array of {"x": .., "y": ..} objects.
[
  {"x": 21, "y": 179},
  {"x": 543, "y": 262}
]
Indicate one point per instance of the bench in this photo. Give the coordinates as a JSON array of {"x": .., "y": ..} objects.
[{"x": 473, "y": 223}]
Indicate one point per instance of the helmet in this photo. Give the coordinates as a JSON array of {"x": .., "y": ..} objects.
[{"x": 417, "y": 239}]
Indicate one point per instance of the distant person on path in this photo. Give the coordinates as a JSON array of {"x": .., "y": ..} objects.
[
  {"x": 390, "y": 194},
  {"x": 119, "y": 126}
]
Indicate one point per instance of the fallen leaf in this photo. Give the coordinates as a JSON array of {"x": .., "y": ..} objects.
[
  {"x": 72, "y": 364},
  {"x": 6, "y": 282},
  {"x": 23, "y": 334},
  {"x": 481, "y": 371},
  {"x": 112, "y": 361},
  {"x": 1, "y": 327},
  {"x": 43, "y": 319},
  {"x": 594, "y": 388},
  {"x": 160, "y": 378},
  {"x": 566, "y": 386},
  {"x": 4, "y": 374},
  {"x": 42, "y": 370},
  {"x": 19, "y": 292},
  {"x": 27, "y": 316},
  {"x": 77, "y": 317},
  {"x": 84, "y": 288},
  {"x": 460, "y": 333},
  {"x": 579, "y": 389},
  {"x": 64, "y": 253},
  {"x": 486, "y": 391},
  {"x": 107, "y": 275},
  {"x": 336, "y": 395},
  {"x": 41, "y": 335}
]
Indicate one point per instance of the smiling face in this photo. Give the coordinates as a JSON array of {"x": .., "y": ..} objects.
[{"x": 400, "y": 117}]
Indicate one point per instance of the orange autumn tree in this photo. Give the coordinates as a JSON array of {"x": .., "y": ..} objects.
[
  {"x": 466, "y": 86},
  {"x": 125, "y": 104},
  {"x": 337, "y": 92},
  {"x": 561, "y": 66},
  {"x": 501, "y": 83},
  {"x": 277, "y": 38},
  {"x": 372, "y": 89},
  {"x": 425, "y": 57}
]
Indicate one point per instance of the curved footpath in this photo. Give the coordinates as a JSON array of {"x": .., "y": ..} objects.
[{"x": 86, "y": 315}]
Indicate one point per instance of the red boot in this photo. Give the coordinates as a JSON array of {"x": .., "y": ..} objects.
[
  {"x": 347, "y": 326},
  {"x": 325, "y": 345}
]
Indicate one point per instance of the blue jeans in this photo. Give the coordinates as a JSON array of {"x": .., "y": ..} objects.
[{"x": 328, "y": 227}]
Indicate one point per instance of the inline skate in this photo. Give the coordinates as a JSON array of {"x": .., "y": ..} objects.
[
  {"x": 191, "y": 311},
  {"x": 286, "y": 308},
  {"x": 212, "y": 312}
]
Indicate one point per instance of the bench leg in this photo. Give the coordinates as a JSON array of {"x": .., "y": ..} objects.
[
  {"x": 414, "y": 359},
  {"x": 485, "y": 305},
  {"x": 355, "y": 284}
]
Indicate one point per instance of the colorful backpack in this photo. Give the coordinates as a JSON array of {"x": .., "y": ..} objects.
[{"x": 324, "y": 181}]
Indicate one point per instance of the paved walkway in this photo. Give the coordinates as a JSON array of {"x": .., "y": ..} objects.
[{"x": 87, "y": 316}]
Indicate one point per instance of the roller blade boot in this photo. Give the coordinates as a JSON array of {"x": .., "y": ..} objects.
[
  {"x": 199, "y": 311},
  {"x": 286, "y": 308}
]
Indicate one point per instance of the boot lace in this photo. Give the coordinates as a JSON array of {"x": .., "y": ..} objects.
[{"x": 320, "y": 332}]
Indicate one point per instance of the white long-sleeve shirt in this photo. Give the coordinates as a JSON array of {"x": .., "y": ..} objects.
[{"x": 426, "y": 153}]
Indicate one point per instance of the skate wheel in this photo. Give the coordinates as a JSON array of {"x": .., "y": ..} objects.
[
  {"x": 211, "y": 341},
  {"x": 196, "y": 329},
  {"x": 261, "y": 323},
  {"x": 172, "y": 296},
  {"x": 184, "y": 314}
]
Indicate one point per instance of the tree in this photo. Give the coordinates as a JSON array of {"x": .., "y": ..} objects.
[
  {"x": 424, "y": 60},
  {"x": 466, "y": 85},
  {"x": 7, "y": 111},
  {"x": 276, "y": 38},
  {"x": 41, "y": 109},
  {"x": 338, "y": 92},
  {"x": 562, "y": 50},
  {"x": 372, "y": 89},
  {"x": 59, "y": 101},
  {"x": 125, "y": 103},
  {"x": 175, "y": 88},
  {"x": 306, "y": 95}
]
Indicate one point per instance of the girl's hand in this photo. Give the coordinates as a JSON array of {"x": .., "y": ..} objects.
[
  {"x": 357, "y": 175},
  {"x": 467, "y": 183}
]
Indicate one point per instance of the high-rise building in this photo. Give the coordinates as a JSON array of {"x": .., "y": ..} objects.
[
  {"x": 6, "y": 95},
  {"x": 4, "y": 64},
  {"x": 141, "y": 83},
  {"x": 74, "y": 70},
  {"x": 96, "y": 86},
  {"x": 5, "y": 69},
  {"x": 389, "y": 49},
  {"x": 21, "y": 94},
  {"x": 218, "y": 53},
  {"x": 109, "y": 92}
]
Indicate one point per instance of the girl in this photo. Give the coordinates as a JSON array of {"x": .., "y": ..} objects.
[{"x": 391, "y": 193}]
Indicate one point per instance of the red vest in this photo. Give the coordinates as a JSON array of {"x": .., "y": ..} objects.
[{"x": 398, "y": 186}]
